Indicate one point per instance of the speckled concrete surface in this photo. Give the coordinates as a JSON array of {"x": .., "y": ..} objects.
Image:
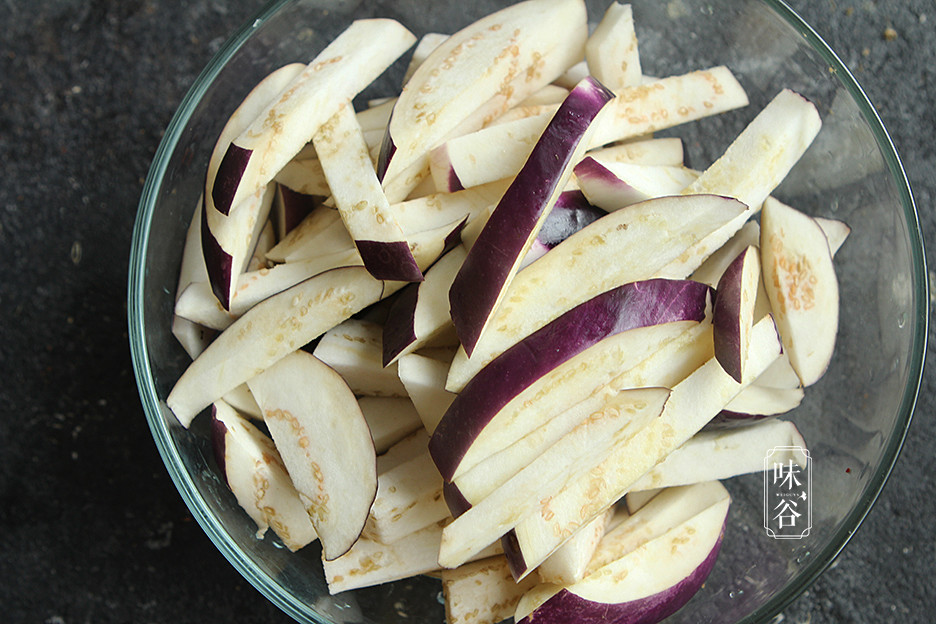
[{"x": 91, "y": 528}]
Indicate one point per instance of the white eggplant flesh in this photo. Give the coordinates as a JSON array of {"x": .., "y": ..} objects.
[
  {"x": 424, "y": 381},
  {"x": 611, "y": 51},
  {"x": 320, "y": 432},
  {"x": 642, "y": 239},
  {"x": 258, "y": 478},
  {"x": 354, "y": 350},
  {"x": 802, "y": 287},
  {"x": 646, "y": 584},
  {"x": 482, "y": 592},
  {"x": 693, "y": 402},
  {"x": 390, "y": 419},
  {"x": 726, "y": 453},
  {"x": 569, "y": 563},
  {"x": 269, "y": 332}
]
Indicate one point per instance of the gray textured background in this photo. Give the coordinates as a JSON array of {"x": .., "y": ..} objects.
[{"x": 91, "y": 528}]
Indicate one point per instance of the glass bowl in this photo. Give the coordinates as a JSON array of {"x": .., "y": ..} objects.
[{"x": 854, "y": 419}]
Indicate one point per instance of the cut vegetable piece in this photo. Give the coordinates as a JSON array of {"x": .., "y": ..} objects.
[
  {"x": 493, "y": 404},
  {"x": 270, "y": 331},
  {"x": 193, "y": 337},
  {"x": 264, "y": 243},
  {"x": 348, "y": 64},
  {"x": 289, "y": 209},
  {"x": 256, "y": 475},
  {"x": 199, "y": 304},
  {"x": 662, "y": 513},
  {"x": 802, "y": 287},
  {"x": 572, "y": 76},
  {"x": 515, "y": 46},
  {"x": 752, "y": 167},
  {"x": 439, "y": 209},
  {"x": 266, "y": 91},
  {"x": 836, "y": 232},
  {"x": 614, "y": 185},
  {"x": 523, "y": 112},
  {"x": 710, "y": 271},
  {"x": 354, "y": 349},
  {"x": 361, "y": 202},
  {"x": 712, "y": 455},
  {"x": 665, "y": 151},
  {"x": 243, "y": 401},
  {"x": 444, "y": 351},
  {"x": 420, "y": 311},
  {"x": 376, "y": 116},
  {"x": 635, "y": 500},
  {"x": 693, "y": 402},
  {"x": 668, "y": 102},
  {"x": 644, "y": 585},
  {"x": 406, "y": 449},
  {"x": 455, "y": 165},
  {"x": 733, "y": 313},
  {"x": 756, "y": 403},
  {"x": 496, "y": 254},
  {"x": 390, "y": 419},
  {"x": 549, "y": 94},
  {"x": 568, "y": 564},
  {"x": 660, "y": 355},
  {"x": 228, "y": 233},
  {"x": 426, "y": 46},
  {"x": 424, "y": 380},
  {"x": 304, "y": 177},
  {"x": 574, "y": 455},
  {"x": 320, "y": 233},
  {"x": 192, "y": 269},
  {"x": 371, "y": 563},
  {"x": 325, "y": 444},
  {"x": 611, "y": 50},
  {"x": 228, "y": 243},
  {"x": 780, "y": 374},
  {"x": 481, "y": 592},
  {"x": 409, "y": 498},
  {"x": 501, "y": 150},
  {"x": 643, "y": 240}
]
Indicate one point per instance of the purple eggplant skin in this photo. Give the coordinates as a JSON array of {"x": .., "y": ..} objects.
[
  {"x": 456, "y": 502},
  {"x": 219, "y": 263},
  {"x": 568, "y": 607},
  {"x": 230, "y": 172},
  {"x": 727, "y": 419},
  {"x": 454, "y": 183},
  {"x": 218, "y": 443},
  {"x": 571, "y": 213},
  {"x": 633, "y": 305},
  {"x": 398, "y": 330},
  {"x": 726, "y": 317},
  {"x": 387, "y": 150},
  {"x": 296, "y": 207},
  {"x": 389, "y": 260},
  {"x": 489, "y": 264},
  {"x": 454, "y": 238},
  {"x": 515, "y": 561},
  {"x": 592, "y": 169}
]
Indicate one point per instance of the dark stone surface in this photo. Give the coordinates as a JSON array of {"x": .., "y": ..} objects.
[{"x": 91, "y": 527}]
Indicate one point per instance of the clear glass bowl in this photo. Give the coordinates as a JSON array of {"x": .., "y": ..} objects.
[{"x": 854, "y": 419}]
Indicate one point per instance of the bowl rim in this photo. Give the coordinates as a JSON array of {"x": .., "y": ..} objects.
[
  {"x": 152, "y": 406},
  {"x": 891, "y": 449},
  {"x": 155, "y": 409}
]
